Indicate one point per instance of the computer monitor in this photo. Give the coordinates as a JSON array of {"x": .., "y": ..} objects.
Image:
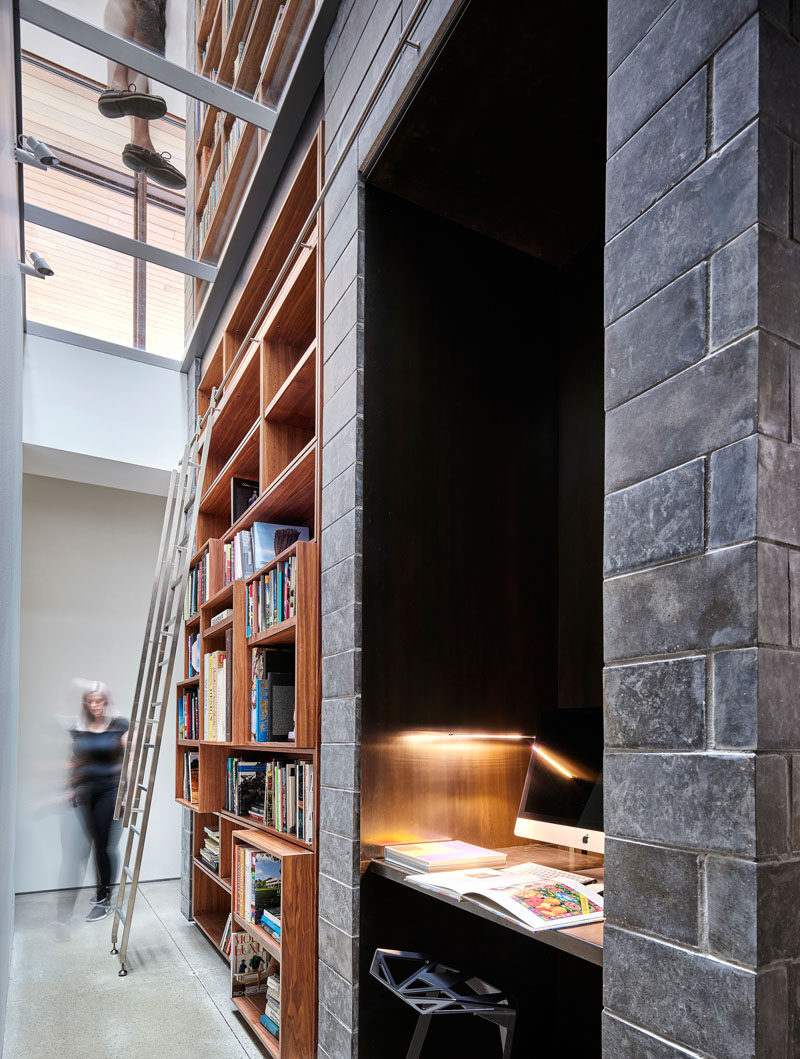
[{"x": 562, "y": 801}]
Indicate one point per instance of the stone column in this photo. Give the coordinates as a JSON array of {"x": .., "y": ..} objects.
[{"x": 702, "y": 528}]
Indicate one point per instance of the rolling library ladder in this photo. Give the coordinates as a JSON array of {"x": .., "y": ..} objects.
[{"x": 162, "y": 632}]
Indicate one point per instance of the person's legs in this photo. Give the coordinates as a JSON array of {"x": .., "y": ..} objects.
[
  {"x": 75, "y": 848},
  {"x": 105, "y": 833},
  {"x": 119, "y": 19}
]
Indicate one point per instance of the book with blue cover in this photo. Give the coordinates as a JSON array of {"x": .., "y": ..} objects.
[{"x": 264, "y": 540}]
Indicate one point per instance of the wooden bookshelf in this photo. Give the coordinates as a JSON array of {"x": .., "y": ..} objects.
[
  {"x": 267, "y": 429},
  {"x": 296, "y": 949}
]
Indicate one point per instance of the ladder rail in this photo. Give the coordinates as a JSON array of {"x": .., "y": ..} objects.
[
  {"x": 145, "y": 647},
  {"x": 153, "y": 645},
  {"x": 137, "y": 786}
]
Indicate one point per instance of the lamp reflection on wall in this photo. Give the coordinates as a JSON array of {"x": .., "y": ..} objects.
[{"x": 39, "y": 269}]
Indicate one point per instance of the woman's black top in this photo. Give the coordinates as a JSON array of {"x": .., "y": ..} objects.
[{"x": 98, "y": 755}]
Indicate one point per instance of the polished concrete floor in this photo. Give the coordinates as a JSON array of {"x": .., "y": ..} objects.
[{"x": 66, "y": 999}]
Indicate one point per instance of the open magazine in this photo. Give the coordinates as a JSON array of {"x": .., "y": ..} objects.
[{"x": 519, "y": 895}]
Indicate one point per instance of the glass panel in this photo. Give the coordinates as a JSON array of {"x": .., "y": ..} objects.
[
  {"x": 62, "y": 191},
  {"x": 164, "y": 313},
  {"x": 91, "y": 291},
  {"x": 165, "y": 228},
  {"x": 61, "y": 84}
]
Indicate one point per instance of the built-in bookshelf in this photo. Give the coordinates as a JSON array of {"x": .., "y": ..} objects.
[
  {"x": 249, "y": 46},
  {"x": 266, "y": 430}
]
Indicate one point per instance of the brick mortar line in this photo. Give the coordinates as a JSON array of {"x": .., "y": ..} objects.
[
  {"x": 688, "y": 78},
  {"x": 625, "y": 1020}
]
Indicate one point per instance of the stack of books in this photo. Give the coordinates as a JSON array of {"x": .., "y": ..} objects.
[
  {"x": 254, "y": 547},
  {"x": 271, "y": 922},
  {"x": 209, "y": 852},
  {"x": 271, "y": 1019},
  {"x": 196, "y": 587}
]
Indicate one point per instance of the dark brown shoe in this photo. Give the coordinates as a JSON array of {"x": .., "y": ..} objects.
[
  {"x": 157, "y": 167},
  {"x": 127, "y": 102}
]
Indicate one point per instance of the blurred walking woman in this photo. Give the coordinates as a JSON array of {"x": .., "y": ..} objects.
[{"x": 98, "y": 744}]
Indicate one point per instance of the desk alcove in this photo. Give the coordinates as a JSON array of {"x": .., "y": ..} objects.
[{"x": 483, "y": 476}]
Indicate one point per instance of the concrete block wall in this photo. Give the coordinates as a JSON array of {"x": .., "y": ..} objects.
[
  {"x": 702, "y": 528},
  {"x": 360, "y": 43}
]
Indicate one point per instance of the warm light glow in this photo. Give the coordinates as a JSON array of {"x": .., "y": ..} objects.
[
  {"x": 553, "y": 763},
  {"x": 436, "y": 737}
]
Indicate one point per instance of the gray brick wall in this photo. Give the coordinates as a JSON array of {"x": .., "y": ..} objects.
[
  {"x": 701, "y": 530},
  {"x": 362, "y": 38}
]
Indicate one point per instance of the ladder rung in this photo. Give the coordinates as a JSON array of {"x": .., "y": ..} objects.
[
  {"x": 176, "y": 581},
  {"x": 163, "y": 662},
  {"x": 127, "y": 871},
  {"x": 141, "y": 787},
  {"x": 154, "y": 704},
  {"x": 149, "y": 746},
  {"x": 135, "y": 829},
  {"x": 120, "y": 913}
]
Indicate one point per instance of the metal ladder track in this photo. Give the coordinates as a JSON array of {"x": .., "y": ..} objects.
[{"x": 140, "y": 761}]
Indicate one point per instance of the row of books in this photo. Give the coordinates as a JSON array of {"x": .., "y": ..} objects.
[
  {"x": 209, "y": 851},
  {"x": 272, "y": 695},
  {"x": 256, "y": 884},
  {"x": 218, "y": 692},
  {"x": 279, "y": 794},
  {"x": 189, "y": 714},
  {"x": 197, "y": 586},
  {"x": 254, "y": 547},
  {"x": 191, "y": 776},
  {"x": 271, "y": 597}
]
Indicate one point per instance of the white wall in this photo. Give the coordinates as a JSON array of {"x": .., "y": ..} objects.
[
  {"x": 101, "y": 408},
  {"x": 88, "y": 556},
  {"x": 10, "y": 483}
]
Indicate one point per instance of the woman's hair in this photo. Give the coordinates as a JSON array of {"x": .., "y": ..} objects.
[{"x": 94, "y": 687}]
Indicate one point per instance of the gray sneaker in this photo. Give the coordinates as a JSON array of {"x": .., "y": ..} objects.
[{"x": 100, "y": 911}]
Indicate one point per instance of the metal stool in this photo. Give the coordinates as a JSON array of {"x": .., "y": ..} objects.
[{"x": 433, "y": 989}]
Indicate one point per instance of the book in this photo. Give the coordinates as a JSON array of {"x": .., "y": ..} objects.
[
  {"x": 250, "y": 965},
  {"x": 243, "y": 493},
  {"x": 539, "y": 905},
  {"x": 271, "y": 538},
  {"x": 227, "y": 730},
  {"x": 279, "y": 706},
  {"x": 221, "y": 616},
  {"x": 441, "y": 856},
  {"x": 191, "y": 774}
]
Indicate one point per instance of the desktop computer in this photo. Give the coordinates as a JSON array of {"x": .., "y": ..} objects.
[{"x": 562, "y": 800}]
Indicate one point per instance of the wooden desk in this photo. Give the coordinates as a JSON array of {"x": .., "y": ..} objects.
[{"x": 585, "y": 942}]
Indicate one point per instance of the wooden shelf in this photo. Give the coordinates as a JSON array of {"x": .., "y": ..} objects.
[
  {"x": 187, "y": 742},
  {"x": 187, "y": 804},
  {"x": 206, "y": 18},
  {"x": 249, "y": 821},
  {"x": 290, "y": 498},
  {"x": 295, "y": 401},
  {"x": 251, "y": 1009},
  {"x": 191, "y": 621},
  {"x": 212, "y": 925},
  {"x": 242, "y": 464},
  {"x": 225, "y": 595},
  {"x": 240, "y": 172},
  {"x": 218, "y": 627},
  {"x": 262, "y": 936},
  {"x": 225, "y": 884},
  {"x": 187, "y": 682},
  {"x": 282, "y": 633}
]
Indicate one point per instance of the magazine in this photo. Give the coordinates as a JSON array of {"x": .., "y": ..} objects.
[{"x": 515, "y": 892}]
